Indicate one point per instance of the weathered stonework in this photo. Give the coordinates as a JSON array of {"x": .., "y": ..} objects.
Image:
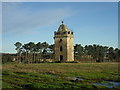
[{"x": 64, "y": 47}]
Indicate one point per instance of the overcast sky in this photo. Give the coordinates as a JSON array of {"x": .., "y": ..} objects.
[{"x": 92, "y": 23}]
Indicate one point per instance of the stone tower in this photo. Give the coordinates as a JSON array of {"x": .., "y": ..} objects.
[{"x": 64, "y": 47}]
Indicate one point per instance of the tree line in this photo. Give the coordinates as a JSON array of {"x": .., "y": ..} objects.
[
  {"x": 41, "y": 51},
  {"x": 34, "y": 53},
  {"x": 97, "y": 53}
]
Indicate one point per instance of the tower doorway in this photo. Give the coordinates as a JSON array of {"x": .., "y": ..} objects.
[{"x": 61, "y": 57}]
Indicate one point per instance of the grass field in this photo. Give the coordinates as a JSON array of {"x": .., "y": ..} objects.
[{"x": 60, "y": 75}]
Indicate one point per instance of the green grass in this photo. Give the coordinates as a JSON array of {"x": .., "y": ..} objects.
[{"x": 39, "y": 75}]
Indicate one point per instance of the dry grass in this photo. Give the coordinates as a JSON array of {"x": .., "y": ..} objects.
[
  {"x": 63, "y": 68},
  {"x": 18, "y": 75}
]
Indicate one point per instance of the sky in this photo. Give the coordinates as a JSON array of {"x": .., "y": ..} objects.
[{"x": 91, "y": 22}]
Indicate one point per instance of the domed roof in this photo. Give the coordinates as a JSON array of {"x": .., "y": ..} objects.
[{"x": 62, "y": 27}]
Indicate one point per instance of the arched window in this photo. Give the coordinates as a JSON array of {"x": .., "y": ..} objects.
[
  {"x": 60, "y": 40},
  {"x": 61, "y": 49},
  {"x": 71, "y": 32},
  {"x": 68, "y": 32}
]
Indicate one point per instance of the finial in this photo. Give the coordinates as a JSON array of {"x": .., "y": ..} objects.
[{"x": 62, "y": 22}]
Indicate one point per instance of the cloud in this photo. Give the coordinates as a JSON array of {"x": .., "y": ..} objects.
[{"x": 17, "y": 18}]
